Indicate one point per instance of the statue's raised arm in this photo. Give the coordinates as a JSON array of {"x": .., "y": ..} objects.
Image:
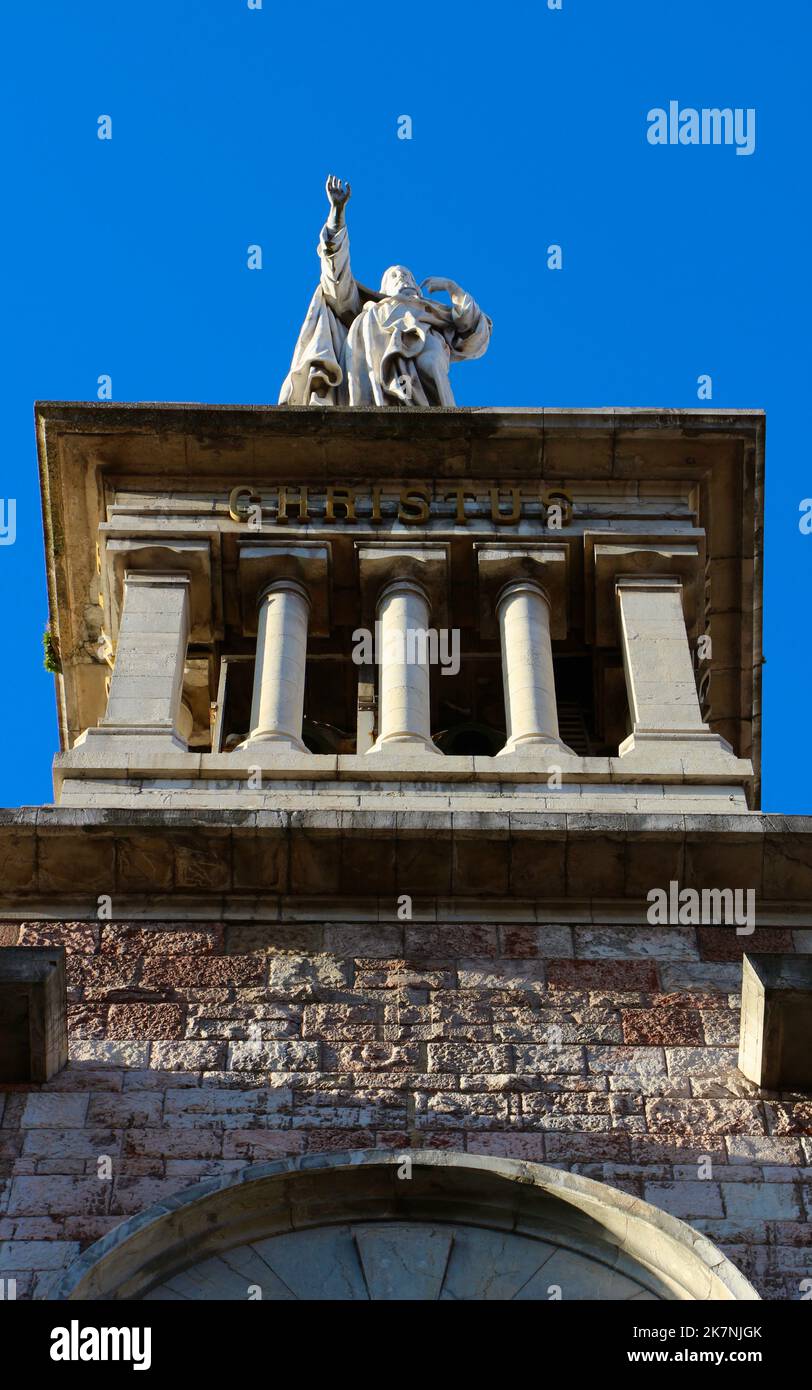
[
  {"x": 338, "y": 195},
  {"x": 387, "y": 347},
  {"x": 337, "y": 281}
]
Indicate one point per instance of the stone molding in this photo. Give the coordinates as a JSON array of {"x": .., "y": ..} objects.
[
  {"x": 299, "y": 1194},
  {"x": 248, "y": 859},
  {"x": 673, "y": 773}
]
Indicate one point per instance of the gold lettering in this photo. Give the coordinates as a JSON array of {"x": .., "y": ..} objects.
[
  {"x": 460, "y": 493},
  {"x": 415, "y": 503},
  {"x": 340, "y": 497},
  {"x": 300, "y": 502},
  {"x": 500, "y": 518},
  {"x": 417, "y": 498},
  {"x": 240, "y": 503}
]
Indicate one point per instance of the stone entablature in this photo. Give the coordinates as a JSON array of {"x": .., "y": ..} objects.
[{"x": 647, "y": 574}]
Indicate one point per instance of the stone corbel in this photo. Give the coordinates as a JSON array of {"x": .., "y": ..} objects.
[
  {"x": 427, "y": 565},
  {"x": 546, "y": 563},
  {"x": 307, "y": 563},
  {"x": 774, "y": 1047}
]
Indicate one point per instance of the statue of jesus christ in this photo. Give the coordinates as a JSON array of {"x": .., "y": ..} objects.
[{"x": 387, "y": 347}]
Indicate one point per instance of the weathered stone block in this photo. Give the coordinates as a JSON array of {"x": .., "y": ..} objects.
[
  {"x": 306, "y": 977},
  {"x": 602, "y": 974},
  {"x": 468, "y": 1057},
  {"x": 273, "y": 1056},
  {"x": 527, "y": 941},
  {"x": 38, "y": 1196},
  {"x": 769, "y": 1201},
  {"x": 687, "y": 1200},
  {"x": 658, "y": 943},
  {"x": 662, "y": 1026},
  {"x": 141, "y": 1021},
  {"x": 724, "y": 942},
  {"x": 46, "y": 1110},
  {"x": 705, "y": 1117}
]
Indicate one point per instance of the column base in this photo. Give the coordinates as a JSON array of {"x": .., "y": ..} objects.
[
  {"x": 283, "y": 744},
  {"x": 693, "y": 740},
  {"x": 538, "y": 745},
  {"x": 395, "y": 746},
  {"x": 140, "y": 738}
]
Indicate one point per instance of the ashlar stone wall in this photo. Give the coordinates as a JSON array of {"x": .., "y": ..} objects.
[{"x": 609, "y": 1050}]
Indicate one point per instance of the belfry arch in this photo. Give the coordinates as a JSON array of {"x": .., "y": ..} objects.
[{"x": 422, "y": 1225}]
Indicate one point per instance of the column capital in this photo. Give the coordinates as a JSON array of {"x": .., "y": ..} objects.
[
  {"x": 399, "y": 586},
  {"x": 651, "y": 559},
  {"x": 522, "y": 586},
  {"x": 304, "y": 563},
  {"x": 285, "y": 586},
  {"x": 426, "y": 566},
  {"x": 649, "y": 581},
  {"x": 544, "y": 564}
]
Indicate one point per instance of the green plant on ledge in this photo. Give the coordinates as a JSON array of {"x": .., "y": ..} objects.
[{"x": 51, "y": 660}]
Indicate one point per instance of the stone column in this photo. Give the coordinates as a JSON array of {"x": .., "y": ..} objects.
[
  {"x": 524, "y": 593},
  {"x": 403, "y": 615},
  {"x": 279, "y": 674},
  {"x": 402, "y": 588},
  {"x": 660, "y": 680},
  {"x": 523, "y": 611},
  {"x": 145, "y": 690}
]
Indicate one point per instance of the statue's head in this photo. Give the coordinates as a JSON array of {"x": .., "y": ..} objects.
[{"x": 398, "y": 280}]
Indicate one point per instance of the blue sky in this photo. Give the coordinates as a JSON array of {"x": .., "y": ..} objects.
[{"x": 128, "y": 256}]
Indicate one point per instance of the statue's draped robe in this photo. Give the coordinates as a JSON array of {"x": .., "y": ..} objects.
[{"x": 360, "y": 347}]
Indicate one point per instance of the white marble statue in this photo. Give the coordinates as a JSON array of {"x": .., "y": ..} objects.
[{"x": 391, "y": 347}]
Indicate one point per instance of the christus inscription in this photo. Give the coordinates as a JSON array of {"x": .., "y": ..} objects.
[{"x": 414, "y": 504}]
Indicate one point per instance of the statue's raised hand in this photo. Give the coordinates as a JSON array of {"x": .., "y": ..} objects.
[
  {"x": 338, "y": 193},
  {"x": 436, "y": 283}
]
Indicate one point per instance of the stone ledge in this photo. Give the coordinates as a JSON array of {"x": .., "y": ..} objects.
[
  {"x": 76, "y": 855},
  {"x": 696, "y": 768}
]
